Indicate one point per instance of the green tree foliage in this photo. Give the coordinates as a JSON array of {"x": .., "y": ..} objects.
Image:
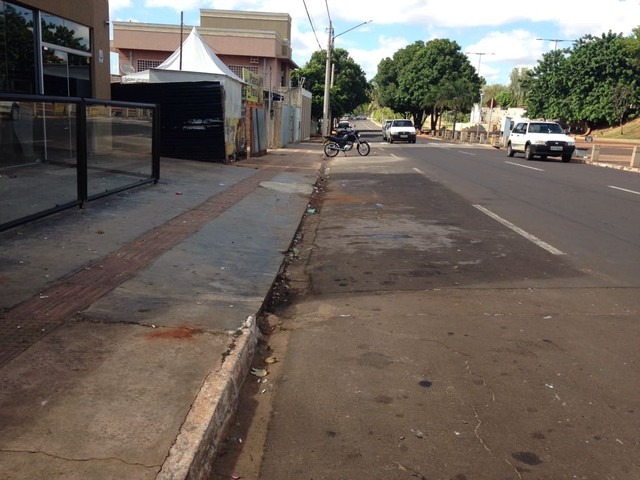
[
  {"x": 349, "y": 91},
  {"x": 505, "y": 99},
  {"x": 517, "y": 86},
  {"x": 458, "y": 96},
  {"x": 592, "y": 84},
  {"x": 548, "y": 87},
  {"x": 421, "y": 79}
]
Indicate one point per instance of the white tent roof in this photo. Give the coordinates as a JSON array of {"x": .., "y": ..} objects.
[{"x": 197, "y": 56}]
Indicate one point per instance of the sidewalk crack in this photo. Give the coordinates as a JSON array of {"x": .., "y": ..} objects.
[{"x": 79, "y": 460}]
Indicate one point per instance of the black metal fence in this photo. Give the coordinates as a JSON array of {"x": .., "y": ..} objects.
[{"x": 60, "y": 152}]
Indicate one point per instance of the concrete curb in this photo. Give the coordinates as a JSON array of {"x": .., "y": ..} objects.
[{"x": 192, "y": 455}]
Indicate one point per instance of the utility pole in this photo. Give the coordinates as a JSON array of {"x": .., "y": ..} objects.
[
  {"x": 480, "y": 55},
  {"x": 326, "y": 121},
  {"x": 326, "y": 110}
]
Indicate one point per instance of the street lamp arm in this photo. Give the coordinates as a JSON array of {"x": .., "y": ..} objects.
[{"x": 353, "y": 28}]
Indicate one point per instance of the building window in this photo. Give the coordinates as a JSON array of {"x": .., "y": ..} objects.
[
  {"x": 65, "y": 33},
  {"x": 66, "y": 57},
  {"x": 237, "y": 69},
  {"x": 17, "y": 61},
  {"x": 143, "y": 65},
  {"x": 32, "y": 41}
]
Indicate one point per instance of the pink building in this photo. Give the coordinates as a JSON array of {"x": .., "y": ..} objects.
[{"x": 258, "y": 41}]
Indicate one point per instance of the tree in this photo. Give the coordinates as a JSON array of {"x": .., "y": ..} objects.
[
  {"x": 517, "y": 86},
  {"x": 414, "y": 81},
  {"x": 593, "y": 84},
  {"x": 548, "y": 90},
  {"x": 505, "y": 100},
  {"x": 459, "y": 95},
  {"x": 622, "y": 101},
  {"x": 350, "y": 89},
  {"x": 311, "y": 77},
  {"x": 597, "y": 66}
]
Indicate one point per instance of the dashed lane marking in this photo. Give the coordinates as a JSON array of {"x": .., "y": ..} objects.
[
  {"x": 519, "y": 231},
  {"x": 525, "y": 166},
  {"x": 624, "y": 189}
]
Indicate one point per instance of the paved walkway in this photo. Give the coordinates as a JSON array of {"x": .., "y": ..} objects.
[{"x": 127, "y": 328}]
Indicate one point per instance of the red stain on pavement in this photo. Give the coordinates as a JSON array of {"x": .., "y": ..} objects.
[{"x": 181, "y": 333}]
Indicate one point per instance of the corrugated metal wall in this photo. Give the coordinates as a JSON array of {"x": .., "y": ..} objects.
[{"x": 191, "y": 116}]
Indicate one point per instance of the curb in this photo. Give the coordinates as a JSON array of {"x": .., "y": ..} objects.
[{"x": 192, "y": 455}]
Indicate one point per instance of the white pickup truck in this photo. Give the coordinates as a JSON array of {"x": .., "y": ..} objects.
[{"x": 542, "y": 139}]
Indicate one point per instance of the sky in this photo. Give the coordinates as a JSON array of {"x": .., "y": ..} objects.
[{"x": 497, "y": 35}]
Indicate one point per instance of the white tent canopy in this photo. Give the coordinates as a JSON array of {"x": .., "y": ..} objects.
[
  {"x": 195, "y": 62},
  {"x": 197, "y": 56}
]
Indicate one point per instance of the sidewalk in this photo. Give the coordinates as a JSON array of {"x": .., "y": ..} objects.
[{"x": 128, "y": 327}]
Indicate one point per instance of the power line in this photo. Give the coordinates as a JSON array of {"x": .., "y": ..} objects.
[{"x": 311, "y": 23}]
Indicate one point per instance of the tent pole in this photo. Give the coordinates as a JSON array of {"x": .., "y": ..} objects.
[{"x": 181, "y": 27}]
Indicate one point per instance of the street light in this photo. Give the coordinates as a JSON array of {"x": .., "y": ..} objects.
[
  {"x": 326, "y": 123},
  {"x": 555, "y": 41},
  {"x": 480, "y": 55}
]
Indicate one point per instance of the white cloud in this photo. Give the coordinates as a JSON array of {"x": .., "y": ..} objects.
[{"x": 508, "y": 29}]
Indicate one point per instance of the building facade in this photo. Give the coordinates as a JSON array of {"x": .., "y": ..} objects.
[
  {"x": 49, "y": 47},
  {"x": 257, "y": 41}
]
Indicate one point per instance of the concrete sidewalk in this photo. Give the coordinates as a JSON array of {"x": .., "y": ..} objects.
[{"x": 127, "y": 328}]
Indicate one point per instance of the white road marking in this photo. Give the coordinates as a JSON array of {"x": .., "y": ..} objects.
[
  {"x": 468, "y": 153},
  {"x": 624, "y": 189},
  {"x": 524, "y": 166},
  {"x": 425, "y": 175},
  {"x": 518, "y": 230}
]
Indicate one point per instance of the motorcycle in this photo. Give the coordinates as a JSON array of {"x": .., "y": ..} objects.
[{"x": 345, "y": 143}]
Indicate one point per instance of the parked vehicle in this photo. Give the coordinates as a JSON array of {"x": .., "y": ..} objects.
[
  {"x": 343, "y": 127},
  {"x": 344, "y": 143},
  {"x": 385, "y": 128},
  {"x": 401, "y": 130},
  {"x": 544, "y": 139}
]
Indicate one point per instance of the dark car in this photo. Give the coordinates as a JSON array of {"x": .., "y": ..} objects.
[{"x": 343, "y": 128}]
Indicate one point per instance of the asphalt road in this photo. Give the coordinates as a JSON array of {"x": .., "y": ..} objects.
[
  {"x": 453, "y": 314},
  {"x": 588, "y": 213}
]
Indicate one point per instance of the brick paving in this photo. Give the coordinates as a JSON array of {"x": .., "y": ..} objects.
[{"x": 25, "y": 323}]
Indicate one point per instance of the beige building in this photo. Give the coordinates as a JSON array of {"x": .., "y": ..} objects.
[
  {"x": 257, "y": 41},
  {"x": 39, "y": 60}
]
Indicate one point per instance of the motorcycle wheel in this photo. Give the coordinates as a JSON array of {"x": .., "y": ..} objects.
[
  {"x": 331, "y": 149},
  {"x": 364, "y": 149}
]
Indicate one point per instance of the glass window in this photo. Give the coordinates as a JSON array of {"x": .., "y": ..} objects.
[
  {"x": 65, "y": 33},
  {"x": 66, "y": 74},
  {"x": 17, "y": 49}
]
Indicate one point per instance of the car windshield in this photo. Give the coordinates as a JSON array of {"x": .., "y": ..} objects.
[
  {"x": 545, "y": 128},
  {"x": 402, "y": 123}
]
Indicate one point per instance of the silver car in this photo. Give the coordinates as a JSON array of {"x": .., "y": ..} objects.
[{"x": 385, "y": 127}]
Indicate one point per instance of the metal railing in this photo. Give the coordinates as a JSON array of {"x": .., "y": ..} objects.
[{"x": 60, "y": 152}]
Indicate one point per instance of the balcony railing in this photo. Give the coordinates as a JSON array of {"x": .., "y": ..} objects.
[{"x": 59, "y": 152}]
